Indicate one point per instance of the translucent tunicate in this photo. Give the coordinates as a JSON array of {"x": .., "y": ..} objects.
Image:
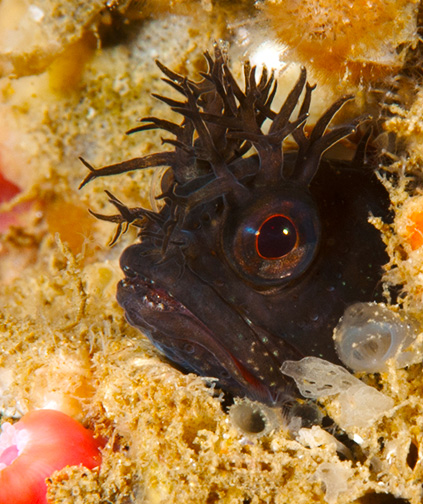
[
  {"x": 358, "y": 404},
  {"x": 317, "y": 378},
  {"x": 369, "y": 334},
  {"x": 254, "y": 419},
  {"x": 308, "y": 413}
]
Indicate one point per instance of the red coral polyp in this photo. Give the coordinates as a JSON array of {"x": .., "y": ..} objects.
[{"x": 42, "y": 442}]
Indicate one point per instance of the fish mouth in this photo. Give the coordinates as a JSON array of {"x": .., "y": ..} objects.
[
  {"x": 149, "y": 297},
  {"x": 184, "y": 332}
]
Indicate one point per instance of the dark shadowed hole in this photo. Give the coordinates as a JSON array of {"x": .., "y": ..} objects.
[
  {"x": 248, "y": 418},
  {"x": 355, "y": 449},
  {"x": 213, "y": 498},
  {"x": 413, "y": 455},
  {"x": 114, "y": 28},
  {"x": 328, "y": 423},
  {"x": 308, "y": 412},
  {"x": 256, "y": 423},
  {"x": 226, "y": 401},
  {"x": 380, "y": 498}
]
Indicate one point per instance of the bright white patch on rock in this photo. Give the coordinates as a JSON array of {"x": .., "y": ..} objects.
[{"x": 36, "y": 13}]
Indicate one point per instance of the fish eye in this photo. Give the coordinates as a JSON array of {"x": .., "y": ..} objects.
[
  {"x": 273, "y": 240},
  {"x": 276, "y": 237}
]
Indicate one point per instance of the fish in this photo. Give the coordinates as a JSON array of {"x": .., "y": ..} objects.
[{"x": 257, "y": 248}]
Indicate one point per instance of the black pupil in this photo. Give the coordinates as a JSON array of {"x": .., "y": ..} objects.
[{"x": 276, "y": 237}]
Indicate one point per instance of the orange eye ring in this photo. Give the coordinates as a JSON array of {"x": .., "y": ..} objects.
[
  {"x": 273, "y": 240},
  {"x": 276, "y": 237}
]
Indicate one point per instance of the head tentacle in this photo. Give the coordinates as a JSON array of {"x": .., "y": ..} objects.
[{"x": 221, "y": 123}]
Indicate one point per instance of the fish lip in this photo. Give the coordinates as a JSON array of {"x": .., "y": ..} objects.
[{"x": 150, "y": 293}]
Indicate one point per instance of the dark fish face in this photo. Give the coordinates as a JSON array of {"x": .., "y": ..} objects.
[{"x": 253, "y": 258}]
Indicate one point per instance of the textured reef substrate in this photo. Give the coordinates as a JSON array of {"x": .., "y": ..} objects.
[{"x": 74, "y": 77}]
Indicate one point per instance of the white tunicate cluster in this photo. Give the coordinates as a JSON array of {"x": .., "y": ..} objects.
[
  {"x": 369, "y": 334},
  {"x": 317, "y": 378},
  {"x": 359, "y": 404}
]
